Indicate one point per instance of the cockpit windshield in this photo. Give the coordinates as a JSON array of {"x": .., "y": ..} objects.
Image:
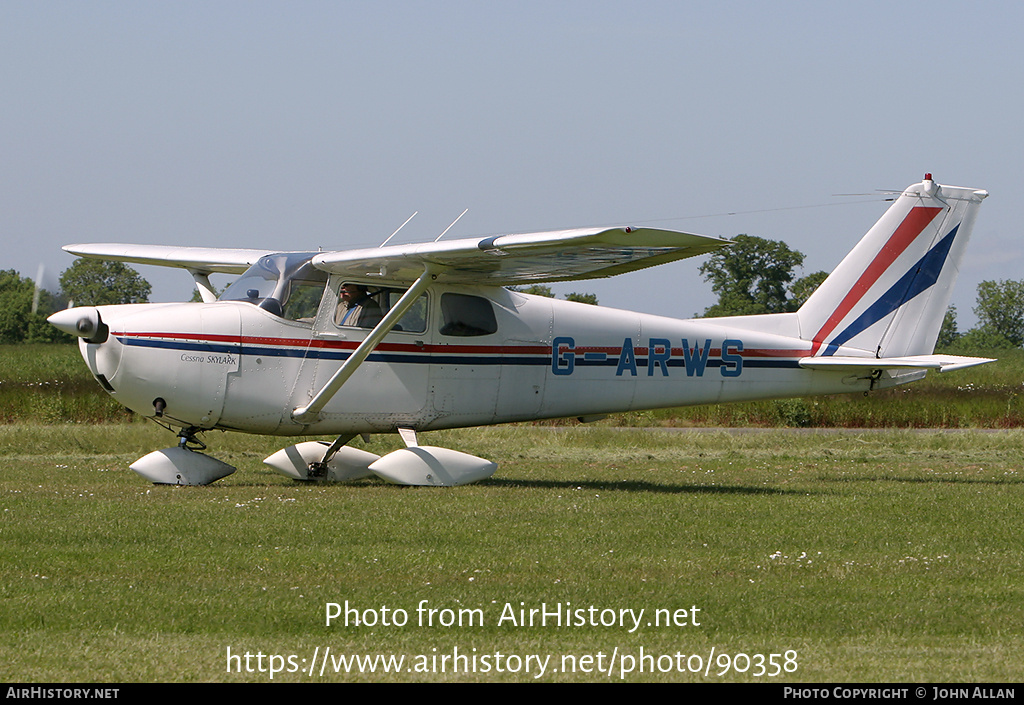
[{"x": 286, "y": 285}]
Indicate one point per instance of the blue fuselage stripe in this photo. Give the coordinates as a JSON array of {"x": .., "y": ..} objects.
[{"x": 433, "y": 358}]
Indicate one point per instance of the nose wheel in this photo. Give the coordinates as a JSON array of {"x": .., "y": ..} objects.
[{"x": 187, "y": 439}]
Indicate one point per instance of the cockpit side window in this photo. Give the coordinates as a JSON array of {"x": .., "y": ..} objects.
[
  {"x": 303, "y": 300},
  {"x": 465, "y": 316},
  {"x": 362, "y": 306}
]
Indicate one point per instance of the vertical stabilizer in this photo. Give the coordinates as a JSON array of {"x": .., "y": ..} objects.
[{"x": 890, "y": 294}]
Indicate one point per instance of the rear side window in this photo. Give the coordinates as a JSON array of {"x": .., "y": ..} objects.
[
  {"x": 465, "y": 316},
  {"x": 415, "y": 319}
]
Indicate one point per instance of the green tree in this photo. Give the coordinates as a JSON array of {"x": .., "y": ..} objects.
[
  {"x": 802, "y": 288},
  {"x": 534, "y": 289},
  {"x": 93, "y": 282},
  {"x": 1000, "y": 309},
  {"x": 582, "y": 298},
  {"x": 948, "y": 334},
  {"x": 18, "y": 322},
  {"x": 751, "y": 276},
  {"x": 982, "y": 338},
  {"x": 542, "y": 290}
]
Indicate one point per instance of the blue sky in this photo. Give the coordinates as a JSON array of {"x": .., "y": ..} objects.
[{"x": 326, "y": 124}]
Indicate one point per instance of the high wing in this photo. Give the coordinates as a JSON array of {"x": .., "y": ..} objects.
[
  {"x": 200, "y": 262},
  {"x": 205, "y": 260},
  {"x": 561, "y": 255}
]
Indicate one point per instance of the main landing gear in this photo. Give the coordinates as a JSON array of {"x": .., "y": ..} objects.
[{"x": 412, "y": 465}]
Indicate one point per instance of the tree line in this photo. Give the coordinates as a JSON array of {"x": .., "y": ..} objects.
[
  {"x": 755, "y": 275},
  {"x": 24, "y": 305}
]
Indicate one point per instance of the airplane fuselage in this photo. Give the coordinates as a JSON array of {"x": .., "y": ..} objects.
[{"x": 233, "y": 365}]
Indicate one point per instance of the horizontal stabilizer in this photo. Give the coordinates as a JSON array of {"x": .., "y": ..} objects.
[{"x": 942, "y": 363}]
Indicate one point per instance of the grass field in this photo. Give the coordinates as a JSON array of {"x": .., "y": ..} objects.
[{"x": 874, "y": 556}]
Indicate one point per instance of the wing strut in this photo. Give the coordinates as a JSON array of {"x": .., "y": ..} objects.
[
  {"x": 206, "y": 290},
  {"x": 311, "y": 412}
]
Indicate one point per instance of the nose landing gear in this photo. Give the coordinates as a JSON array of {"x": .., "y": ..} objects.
[{"x": 183, "y": 464}]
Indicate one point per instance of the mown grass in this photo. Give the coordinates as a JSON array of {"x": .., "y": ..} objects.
[
  {"x": 876, "y": 556},
  {"x": 987, "y": 396},
  {"x": 50, "y": 384}
]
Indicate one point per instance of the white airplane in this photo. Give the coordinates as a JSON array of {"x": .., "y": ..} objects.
[{"x": 419, "y": 337}]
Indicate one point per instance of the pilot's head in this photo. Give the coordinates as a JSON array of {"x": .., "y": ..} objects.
[{"x": 352, "y": 293}]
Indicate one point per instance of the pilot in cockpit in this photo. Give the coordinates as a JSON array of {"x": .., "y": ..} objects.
[{"x": 356, "y": 307}]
